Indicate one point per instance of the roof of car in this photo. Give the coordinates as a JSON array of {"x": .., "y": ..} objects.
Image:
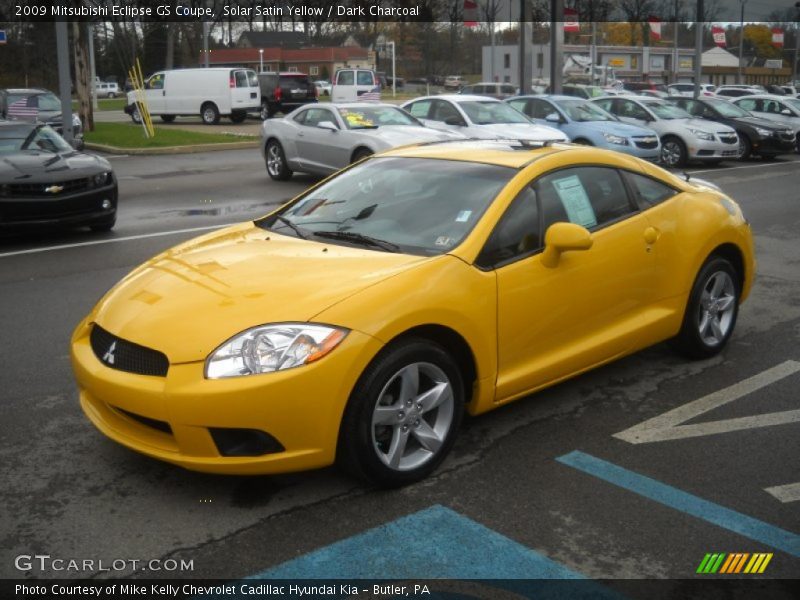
[
  {"x": 458, "y": 97},
  {"x": 25, "y": 91},
  {"x": 765, "y": 97},
  {"x": 505, "y": 153}
]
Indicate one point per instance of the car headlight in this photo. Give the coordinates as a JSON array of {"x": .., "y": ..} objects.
[
  {"x": 269, "y": 348},
  {"x": 615, "y": 139},
  {"x": 101, "y": 179},
  {"x": 763, "y": 132},
  {"x": 703, "y": 135}
]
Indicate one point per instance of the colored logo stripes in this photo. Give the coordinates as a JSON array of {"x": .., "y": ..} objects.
[{"x": 735, "y": 562}]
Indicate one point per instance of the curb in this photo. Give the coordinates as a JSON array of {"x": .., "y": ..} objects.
[{"x": 190, "y": 149}]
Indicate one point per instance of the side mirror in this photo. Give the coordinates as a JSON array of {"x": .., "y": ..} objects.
[
  {"x": 786, "y": 112},
  {"x": 553, "y": 118},
  {"x": 329, "y": 125},
  {"x": 563, "y": 237},
  {"x": 458, "y": 121}
]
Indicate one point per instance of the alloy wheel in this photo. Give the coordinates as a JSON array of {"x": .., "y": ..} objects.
[{"x": 716, "y": 308}]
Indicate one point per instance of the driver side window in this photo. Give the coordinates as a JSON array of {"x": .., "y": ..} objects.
[
  {"x": 444, "y": 110},
  {"x": 516, "y": 235}
]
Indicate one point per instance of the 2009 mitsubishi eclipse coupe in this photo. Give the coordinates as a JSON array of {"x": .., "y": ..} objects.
[{"x": 360, "y": 321}]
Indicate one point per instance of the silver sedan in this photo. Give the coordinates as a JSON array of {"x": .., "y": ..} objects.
[{"x": 321, "y": 139}]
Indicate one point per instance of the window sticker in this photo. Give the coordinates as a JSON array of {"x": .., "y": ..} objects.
[
  {"x": 355, "y": 119},
  {"x": 463, "y": 216},
  {"x": 444, "y": 241},
  {"x": 572, "y": 195}
]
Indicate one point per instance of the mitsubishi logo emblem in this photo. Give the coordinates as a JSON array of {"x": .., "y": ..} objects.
[{"x": 109, "y": 355}]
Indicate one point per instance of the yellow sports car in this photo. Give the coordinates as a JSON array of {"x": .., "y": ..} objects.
[{"x": 357, "y": 323}]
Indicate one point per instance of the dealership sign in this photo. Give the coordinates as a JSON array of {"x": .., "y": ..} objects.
[
  {"x": 777, "y": 36},
  {"x": 719, "y": 36}
]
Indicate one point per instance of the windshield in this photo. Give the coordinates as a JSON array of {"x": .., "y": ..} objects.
[
  {"x": 17, "y": 139},
  {"x": 489, "y": 113},
  {"x": 421, "y": 206},
  {"x": 49, "y": 102},
  {"x": 794, "y": 103},
  {"x": 584, "y": 111},
  {"x": 667, "y": 111},
  {"x": 727, "y": 109},
  {"x": 370, "y": 117}
]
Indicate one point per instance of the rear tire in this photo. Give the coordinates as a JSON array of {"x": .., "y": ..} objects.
[
  {"x": 136, "y": 116},
  {"x": 275, "y": 158},
  {"x": 403, "y": 415},
  {"x": 168, "y": 118},
  {"x": 711, "y": 312},
  {"x": 209, "y": 113}
]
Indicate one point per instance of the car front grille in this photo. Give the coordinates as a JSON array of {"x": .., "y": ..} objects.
[
  {"x": 728, "y": 138},
  {"x": 786, "y": 136},
  {"x": 21, "y": 208},
  {"x": 732, "y": 153},
  {"x": 646, "y": 143},
  {"x": 47, "y": 190},
  {"x": 123, "y": 355}
]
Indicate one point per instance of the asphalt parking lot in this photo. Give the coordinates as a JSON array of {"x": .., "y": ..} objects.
[{"x": 636, "y": 470}]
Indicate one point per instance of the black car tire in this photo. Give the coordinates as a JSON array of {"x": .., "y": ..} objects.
[
  {"x": 365, "y": 445},
  {"x": 167, "y": 118},
  {"x": 209, "y": 113},
  {"x": 275, "y": 159},
  {"x": 238, "y": 116},
  {"x": 703, "y": 303},
  {"x": 745, "y": 147},
  {"x": 136, "y": 116},
  {"x": 106, "y": 225},
  {"x": 265, "y": 112},
  {"x": 361, "y": 153}
]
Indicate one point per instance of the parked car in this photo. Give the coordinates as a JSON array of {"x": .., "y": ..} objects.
[
  {"x": 106, "y": 89},
  {"x": 42, "y": 106},
  {"x": 359, "y": 322},
  {"x": 683, "y": 138},
  {"x": 654, "y": 94},
  {"x": 45, "y": 182},
  {"x": 580, "y": 90},
  {"x": 454, "y": 82},
  {"x": 756, "y": 135},
  {"x": 479, "y": 117},
  {"x": 778, "y": 109},
  {"x": 322, "y": 139},
  {"x": 687, "y": 89},
  {"x": 283, "y": 92},
  {"x": 588, "y": 124},
  {"x": 208, "y": 93},
  {"x": 355, "y": 85},
  {"x": 729, "y": 91},
  {"x": 323, "y": 87},
  {"x": 499, "y": 91},
  {"x": 637, "y": 86}
]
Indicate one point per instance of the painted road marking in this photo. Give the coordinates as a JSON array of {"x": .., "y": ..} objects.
[
  {"x": 667, "y": 495},
  {"x": 668, "y": 425},
  {"x": 785, "y": 493},
  {"x": 116, "y": 240},
  {"x": 434, "y": 543},
  {"x": 728, "y": 169}
]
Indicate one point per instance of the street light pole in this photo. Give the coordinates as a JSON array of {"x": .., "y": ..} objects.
[
  {"x": 394, "y": 74},
  {"x": 260, "y": 60},
  {"x": 795, "y": 76},
  {"x": 741, "y": 41}
]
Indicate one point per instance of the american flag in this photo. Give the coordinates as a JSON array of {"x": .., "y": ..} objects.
[
  {"x": 21, "y": 110},
  {"x": 374, "y": 95}
]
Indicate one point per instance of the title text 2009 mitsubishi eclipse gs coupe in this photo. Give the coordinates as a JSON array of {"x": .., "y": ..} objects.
[{"x": 359, "y": 322}]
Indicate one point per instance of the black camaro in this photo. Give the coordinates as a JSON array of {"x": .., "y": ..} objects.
[
  {"x": 45, "y": 182},
  {"x": 756, "y": 136}
]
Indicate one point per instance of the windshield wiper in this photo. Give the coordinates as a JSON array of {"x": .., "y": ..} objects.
[
  {"x": 292, "y": 226},
  {"x": 358, "y": 238}
]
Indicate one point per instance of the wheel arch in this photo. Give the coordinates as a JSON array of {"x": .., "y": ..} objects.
[
  {"x": 733, "y": 254},
  {"x": 360, "y": 148}
]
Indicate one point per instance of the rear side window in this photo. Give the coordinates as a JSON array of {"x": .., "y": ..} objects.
[
  {"x": 647, "y": 191},
  {"x": 420, "y": 109},
  {"x": 345, "y": 78},
  {"x": 252, "y": 79},
  {"x": 366, "y": 78}
]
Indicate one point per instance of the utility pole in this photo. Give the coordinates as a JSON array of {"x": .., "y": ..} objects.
[
  {"x": 92, "y": 66},
  {"x": 741, "y": 42},
  {"x": 675, "y": 59},
  {"x": 556, "y": 45},
  {"x": 205, "y": 43},
  {"x": 795, "y": 76},
  {"x": 64, "y": 80},
  {"x": 698, "y": 48}
]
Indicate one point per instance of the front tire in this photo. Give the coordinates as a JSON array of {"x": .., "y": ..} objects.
[
  {"x": 106, "y": 225},
  {"x": 361, "y": 153},
  {"x": 711, "y": 311},
  {"x": 209, "y": 114},
  {"x": 673, "y": 152},
  {"x": 745, "y": 147},
  {"x": 403, "y": 415},
  {"x": 136, "y": 116},
  {"x": 276, "y": 161}
]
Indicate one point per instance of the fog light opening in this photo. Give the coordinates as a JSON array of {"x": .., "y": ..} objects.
[
  {"x": 106, "y": 204},
  {"x": 244, "y": 442}
]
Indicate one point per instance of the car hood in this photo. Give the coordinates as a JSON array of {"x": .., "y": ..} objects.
[
  {"x": 187, "y": 301},
  {"x": 703, "y": 125},
  {"x": 759, "y": 122},
  {"x": 516, "y": 131},
  {"x": 614, "y": 127},
  {"x": 34, "y": 166},
  {"x": 397, "y": 135}
]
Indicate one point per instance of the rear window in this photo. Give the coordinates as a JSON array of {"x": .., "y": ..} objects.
[
  {"x": 344, "y": 78},
  {"x": 366, "y": 78},
  {"x": 291, "y": 80}
]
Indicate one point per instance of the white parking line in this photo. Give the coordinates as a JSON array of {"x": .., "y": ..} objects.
[
  {"x": 668, "y": 426},
  {"x": 114, "y": 240},
  {"x": 727, "y": 170},
  {"x": 785, "y": 493}
]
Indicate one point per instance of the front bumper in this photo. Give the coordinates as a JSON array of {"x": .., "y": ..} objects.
[
  {"x": 713, "y": 150},
  {"x": 69, "y": 210},
  {"x": 772, "y": 145},
  {"x": 173, "y": 418},
  {"x": 634, "y": 149}
]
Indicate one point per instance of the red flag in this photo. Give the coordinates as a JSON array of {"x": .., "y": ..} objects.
[
  {"x": 470, "y": 13},
  {"x": 571, "y": 20},
  {"x": 718, "y": 33},
  {"x": 777, "y": 36},
  {"x": 655, "y": 27}
]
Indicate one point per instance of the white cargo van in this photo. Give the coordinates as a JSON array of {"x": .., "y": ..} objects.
[
  {"x": 210, "y": 93},
  {"x": 354, "y": 85}
]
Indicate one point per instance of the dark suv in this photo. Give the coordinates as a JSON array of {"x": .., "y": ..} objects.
[{"x": 283, "y": 92}]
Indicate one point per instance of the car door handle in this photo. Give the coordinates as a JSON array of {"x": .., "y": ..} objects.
[
  {"x": 651, "y": 235},
  {"x": 300, "y": 135},
  {"x": 163, "y": 92}
]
